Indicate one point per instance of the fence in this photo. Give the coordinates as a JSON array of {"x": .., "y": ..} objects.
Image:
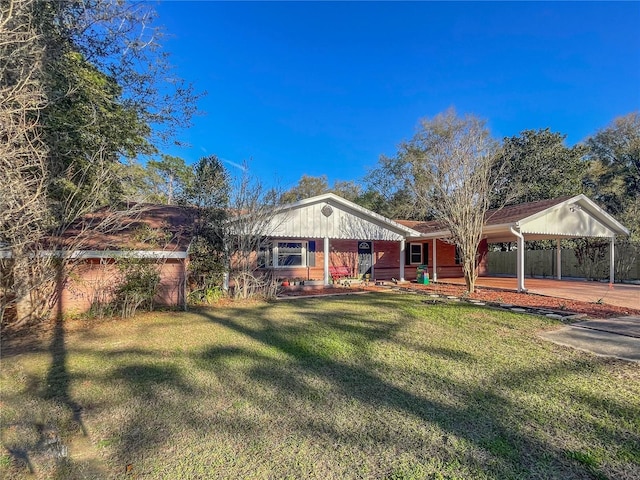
[{"x": 542, "y": 263}]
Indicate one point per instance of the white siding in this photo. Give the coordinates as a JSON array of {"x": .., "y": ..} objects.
[
  {"x": 565, "y": 220},
  {"x": 308, "y": 222}
]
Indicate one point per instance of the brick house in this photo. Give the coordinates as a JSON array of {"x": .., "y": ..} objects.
[
  {"x": 96, "y": 244},
  {"x": 318, "y": 238}
]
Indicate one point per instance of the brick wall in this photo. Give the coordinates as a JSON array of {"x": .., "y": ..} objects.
[
  {"x": 446, "y": 260},
  {"x": 93, "y": 281},
  {"x": 386, "y": 257}
]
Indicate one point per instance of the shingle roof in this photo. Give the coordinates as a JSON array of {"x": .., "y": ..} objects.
[
  {"x": 140, "y": 227},
  {"x": 505, "y": 215},
  {"x": 514, "y": 213}
]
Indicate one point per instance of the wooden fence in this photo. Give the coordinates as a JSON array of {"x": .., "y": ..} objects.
[{"x": 542, "y": 263}]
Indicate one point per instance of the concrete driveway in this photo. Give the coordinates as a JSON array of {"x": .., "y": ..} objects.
[
  {"x": 613, "y": 337},
  {"x": 619, "y": 294}
]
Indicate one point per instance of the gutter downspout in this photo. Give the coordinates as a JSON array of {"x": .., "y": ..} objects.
[{"x": 520, "y": 258}]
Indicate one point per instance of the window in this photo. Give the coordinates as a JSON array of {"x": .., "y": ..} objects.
[
  {"x": 290, "y": 254},
  {"x": 415, "y": 253},
  {"x": 458, "y": 256}
]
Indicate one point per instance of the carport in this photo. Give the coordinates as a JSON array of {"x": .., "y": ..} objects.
[{"x": 556, "y": 219}]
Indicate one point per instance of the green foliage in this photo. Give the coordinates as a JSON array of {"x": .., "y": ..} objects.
[
  {"x": 168, "y": 178},
  {"x": 133, "y": 288},
  {"x": 209, "y": 193},
  {"x": 308, "y": 186},
  {"x": 138, "y": 287},
  {"x": 207, "y": 260},
  {"x": 590, "y": 460},
  {"x": 592, "y": 255},
  {"x": 108, "y": 98},
  {"x": 208, "y": 295},
  {"x": 348, "y": 190},
  {"x": 85, "y": 89},
  {"x": 88, "y": 128},
  {"x": 210, "y": 185},
  {"x": 613, "y": 179},
  {"x": 389, "y": 191},
  {"x": 370, "y": 386},
  {"x": 537, "y": 165}
]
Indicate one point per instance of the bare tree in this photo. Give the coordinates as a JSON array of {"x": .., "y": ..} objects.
[
  {"x": 23, "y": 207},
  {"x": 250, "y": 223},
  {"x": 449, "y": 166},
  {"x": 83, "y": 87}
]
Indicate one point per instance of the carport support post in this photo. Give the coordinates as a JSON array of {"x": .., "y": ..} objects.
[
  {"x": 402, "y": 249},
  {"x": 521, "y": 264},
  {"x": 326, "y": 260},
  {"x": 558, "y": 260},
  {"x": 435, "y": 265},
  {"x": 612, "y": 260}
]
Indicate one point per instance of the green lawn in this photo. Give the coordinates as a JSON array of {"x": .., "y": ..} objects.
[{"x": 365, "y": 386}]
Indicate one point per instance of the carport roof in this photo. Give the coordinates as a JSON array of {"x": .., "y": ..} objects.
[{"x": 576, "y": 216}]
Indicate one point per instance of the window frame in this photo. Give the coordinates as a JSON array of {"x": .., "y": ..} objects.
[
  {"x": 265, "y": 255},
  {"x": 412, "y": 253},
  {"x": 303, "y": 253}
]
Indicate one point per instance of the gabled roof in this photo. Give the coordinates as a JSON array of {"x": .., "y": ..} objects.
[
  {"x": 515, "y": 213},
  {"x": 576, "y": 216},
  {"x": 354, "y": 207},
  {"x": 305, "y": 218}
]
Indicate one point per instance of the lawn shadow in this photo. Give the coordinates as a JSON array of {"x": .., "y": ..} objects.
[
  {"x": 155, "y": 409},
  {"x": 482, "y": 417},
  {"x": 56, "y": 389}
]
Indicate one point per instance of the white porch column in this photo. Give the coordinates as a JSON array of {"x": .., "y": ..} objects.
[
  {"x": 521, "y": 264},
  {"x": 435, "y": 263},
  {"x": 612, "y": 260},
  {"x": 326, "y": 260},
  {"x": 558, "y": 260},
  {"x": 402, "y": 249}
]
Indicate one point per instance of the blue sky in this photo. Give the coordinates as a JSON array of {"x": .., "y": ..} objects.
[{"x": 326, "y": 88}]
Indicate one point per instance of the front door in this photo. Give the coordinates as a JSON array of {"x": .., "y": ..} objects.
[{"x": 365, "y": 258}]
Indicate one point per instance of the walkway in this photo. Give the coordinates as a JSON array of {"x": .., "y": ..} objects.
[
  {"x": 620, "y": 295},
  {"x": 613, "y": 337}
]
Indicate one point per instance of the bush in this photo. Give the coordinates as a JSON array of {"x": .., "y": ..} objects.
[{"x": 138, "y": 287}]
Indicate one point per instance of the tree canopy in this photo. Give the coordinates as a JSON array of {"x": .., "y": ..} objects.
[
  {"x": 448, "y": 169},
  {"x": 613, "y": 179},
  {"x": 309, "y": 186},
  {"x": 85, "y": 87},
  {"x": 537, "y": 165}
]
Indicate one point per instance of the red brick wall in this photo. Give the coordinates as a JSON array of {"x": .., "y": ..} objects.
[
  {"x": 446, "y": 260},
  {"x": 92, "y": 281},
  {"x": 344, "y": 253},
  {"x": 386, "y": 260}
]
